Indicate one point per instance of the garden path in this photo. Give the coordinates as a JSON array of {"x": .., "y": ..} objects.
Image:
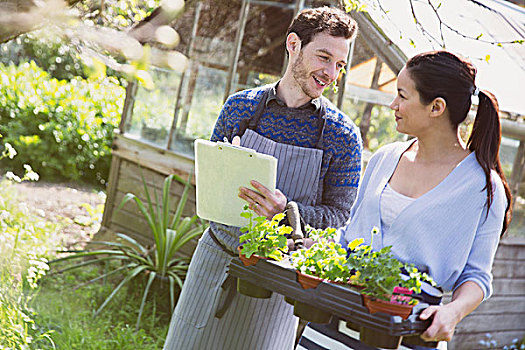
[{"x": 79, "y": 208}]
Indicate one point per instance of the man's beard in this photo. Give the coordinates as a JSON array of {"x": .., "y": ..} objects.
[{"x": 302, "y": 77}]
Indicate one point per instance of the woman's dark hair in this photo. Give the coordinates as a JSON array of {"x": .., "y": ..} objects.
[
  {"x": 331, "y": 20},
  {"x": 451, "y": 77}
]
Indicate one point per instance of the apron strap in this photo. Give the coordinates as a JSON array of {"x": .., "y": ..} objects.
[
  {"x": 252, "y": 122},
  {"x": 222, "y": 246},
  {"x": 229, "y": 284},
  {"x": 321, "y": 114}
]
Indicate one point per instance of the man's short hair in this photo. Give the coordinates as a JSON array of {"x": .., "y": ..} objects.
[{"x": 329, "y": 20}]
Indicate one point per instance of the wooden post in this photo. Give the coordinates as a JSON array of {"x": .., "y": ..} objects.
[
  {"x": 299, "y": 5},
  {"x": 364, "y": 126},
  {"x": 515, "y": 130},
  {"x": 188, "y": 96},
  {"x": 238, "y": 43},
  {"x": 111, "y": 191},
  {"x": 517, "y": 170},
  {"x": 342, "y": 83},
  {"x": 127, "y": 110},
  {"x": 189, "y": 54}
]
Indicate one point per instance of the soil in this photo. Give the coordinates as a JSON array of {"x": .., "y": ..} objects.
[{"x": 78, "y": 208}]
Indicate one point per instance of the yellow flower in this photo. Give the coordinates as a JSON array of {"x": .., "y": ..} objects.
[
  {"x": 358, "y": 241},
  {"x": 355, "y": 277}
]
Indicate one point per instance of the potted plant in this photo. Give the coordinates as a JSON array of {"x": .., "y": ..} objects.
[
  {"x": 169, "y": 231},
  {"x": 261, "y": 239},
  {"x": 323, "y": 261},
  {"x": 378, "y": 274}
]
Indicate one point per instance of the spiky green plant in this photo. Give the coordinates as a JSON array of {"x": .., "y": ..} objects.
[{"x": 170, "y": 233}]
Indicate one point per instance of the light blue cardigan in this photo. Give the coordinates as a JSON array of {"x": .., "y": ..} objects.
[{"x": 445, "y": 231}]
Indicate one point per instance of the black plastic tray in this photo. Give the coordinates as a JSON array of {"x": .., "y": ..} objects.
[{"x": 341, "y": 301}]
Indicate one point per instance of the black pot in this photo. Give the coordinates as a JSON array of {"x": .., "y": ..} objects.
[
  {"x": 252, "y": 290},
  {"x": 379, "y": 339},
  {"x": 309, "y": 313},
  {"x": 416, "y": 340},
  {"x": 159, "y": 293},
  {"x": 289, "y": 300},
  {"x": 353, "y": 326}
]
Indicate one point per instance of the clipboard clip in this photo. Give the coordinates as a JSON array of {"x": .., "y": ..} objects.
[{"x": 226, "y": 143}]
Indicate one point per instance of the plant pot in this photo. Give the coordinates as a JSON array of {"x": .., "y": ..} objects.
[
  {"x": 158, "y": 294},
  {"x": 353, "y": 326},
  {"x": 355, "y": 286},
  {"x": 378, "y": 305},
  {"x": 289, "y": 300},
  {"x": 416, "y": 340},
  {"x": 309, "y": 313},
  {"x": 307, "y": 281},
  {"x": 252, "y": 260},
  {"x": 252, "y": 290},
  {"x": 378, "y": 339}
]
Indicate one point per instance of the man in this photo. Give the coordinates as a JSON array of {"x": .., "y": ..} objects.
[{"x": 319, "y": 162}]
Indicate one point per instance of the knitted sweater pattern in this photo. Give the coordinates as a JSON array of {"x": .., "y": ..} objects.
[{"x": 342, "y": 147}]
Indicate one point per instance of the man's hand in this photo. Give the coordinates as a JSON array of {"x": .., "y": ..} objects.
[{"x": 264, "y": 202}]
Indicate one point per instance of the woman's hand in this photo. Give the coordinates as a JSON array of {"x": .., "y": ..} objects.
[
  {"x": 465, "y": 299},
  {"x": 444, "y": 323}
]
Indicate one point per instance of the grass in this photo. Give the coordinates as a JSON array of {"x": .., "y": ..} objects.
[
  {"x": 41, "y": 310},
  {"x": 68, "y": 312}
]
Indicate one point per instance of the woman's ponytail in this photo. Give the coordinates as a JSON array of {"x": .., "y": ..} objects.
[
  {"x": 444, "y": 74},
  {"x": 485, "y": 140}
]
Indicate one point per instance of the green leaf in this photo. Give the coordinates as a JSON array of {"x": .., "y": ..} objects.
[
  {"x": 144, "y": 296},
  {"x": 131, "y": 275}
]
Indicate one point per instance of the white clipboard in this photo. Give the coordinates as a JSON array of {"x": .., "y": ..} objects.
[{"x": 220, "y": 170}]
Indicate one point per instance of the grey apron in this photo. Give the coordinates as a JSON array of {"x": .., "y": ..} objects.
[{"x": 248, "y": 323}]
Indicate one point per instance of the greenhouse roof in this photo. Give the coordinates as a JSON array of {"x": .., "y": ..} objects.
[{"x": 501, "y": 69}]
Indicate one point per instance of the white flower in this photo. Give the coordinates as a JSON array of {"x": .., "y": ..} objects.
[
  {"x": 11, "y": 176},
  {"x": 9, "y": 151},
  {"x": 30, "y": 174},
  {"x": 4, "y": 214}
]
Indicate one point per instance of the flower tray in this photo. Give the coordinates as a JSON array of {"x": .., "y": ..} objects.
[
  {"x": 378, "y": 305},
  {"x": 336, "y": 299},
  {"x": 252, "y": 260}
]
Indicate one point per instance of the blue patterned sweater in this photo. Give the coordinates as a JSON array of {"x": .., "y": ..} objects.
[{"x": 342, "y": 148}]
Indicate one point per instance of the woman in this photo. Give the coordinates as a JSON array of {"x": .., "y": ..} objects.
[{"x": 440, "y": 203}]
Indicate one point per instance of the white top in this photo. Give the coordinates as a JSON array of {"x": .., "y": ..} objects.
[
  {"x": 446, "y": 232},
  {"x": 392, "y": 204}
]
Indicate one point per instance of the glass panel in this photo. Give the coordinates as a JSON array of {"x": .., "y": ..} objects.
[
  {"x": 382, "y": 127},
  {"x": 153, "y": 109},
  {"x": 206, "y": 92}
]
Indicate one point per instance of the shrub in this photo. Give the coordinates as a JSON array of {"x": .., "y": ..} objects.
[
  {"x": 26, "y": 240},
  {"x": 64, "y": 129},
  {"x": 55, "y": 55}
]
